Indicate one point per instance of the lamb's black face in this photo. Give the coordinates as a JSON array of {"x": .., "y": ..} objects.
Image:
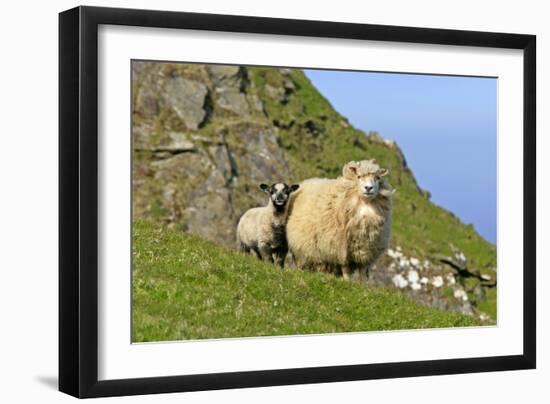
[{"x": 279, "y": 192}]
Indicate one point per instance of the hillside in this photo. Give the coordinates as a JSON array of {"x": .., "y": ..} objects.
[
  {"x": 204, "y": 137},
  {"x": 222, "y": 293}
]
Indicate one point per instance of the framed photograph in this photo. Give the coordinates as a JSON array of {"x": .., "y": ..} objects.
[{"x": 251, "y": 201}]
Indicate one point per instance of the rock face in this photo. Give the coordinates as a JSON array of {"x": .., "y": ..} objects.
[
  {"x": 201, "y": 177},
  {"x": 205, "y": 136}
]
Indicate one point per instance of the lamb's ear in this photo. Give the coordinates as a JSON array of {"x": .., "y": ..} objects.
[
  {"x": 382, "y": 172},
  {"x": 350, "y": 170},
  {"x": 294, "y": 187},
  {"x": 264, "y": 187}
]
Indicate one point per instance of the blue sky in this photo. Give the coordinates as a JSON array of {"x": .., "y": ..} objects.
[{"x": 446, "y": 126}]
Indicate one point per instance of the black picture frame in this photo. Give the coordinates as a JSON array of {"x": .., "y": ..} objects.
[{"x": 78, "y": 201}]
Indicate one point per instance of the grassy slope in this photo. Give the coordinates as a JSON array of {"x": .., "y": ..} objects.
[
  {"x": 187, "y": 288},
  {"x": 420, "y": 227}
]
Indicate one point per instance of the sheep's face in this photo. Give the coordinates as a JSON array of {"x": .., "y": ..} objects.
[
  {"x": 368, "y": 176},
  {"x": 279, "y": 193}
]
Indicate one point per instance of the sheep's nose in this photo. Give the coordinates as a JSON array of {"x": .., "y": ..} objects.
[{"x": 369, "y": 188}]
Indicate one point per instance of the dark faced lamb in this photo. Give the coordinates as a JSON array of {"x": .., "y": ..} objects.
[{"x": 262, "y": 230}]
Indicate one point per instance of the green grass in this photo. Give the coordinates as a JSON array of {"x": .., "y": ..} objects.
[{"x": 185, "y": 287}]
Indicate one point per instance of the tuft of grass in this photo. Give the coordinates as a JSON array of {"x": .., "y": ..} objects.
[{"x": 184, "y": 287}]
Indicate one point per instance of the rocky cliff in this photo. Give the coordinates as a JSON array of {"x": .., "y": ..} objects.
[{"x": 205, "y": 136}]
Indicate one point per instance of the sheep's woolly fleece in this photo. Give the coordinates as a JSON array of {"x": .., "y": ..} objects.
[{"x": 332, "y": 227}]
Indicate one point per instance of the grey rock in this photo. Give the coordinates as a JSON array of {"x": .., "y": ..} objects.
[
  {"x": 289, "y": 85},
  {"x": 479, "y": 292},
  {"x": 229, "y": 85},
  {"x": 212, "y": 203},
  {"x": 285, "y": 71},
  {"x": 183, "y": 166},
  {"x": 259, "y": 157},
  {"x": 212, "y": 207},
  {"x": 277, "y": 93},
  {"x": 186, "y": 97},
  {"x": 162, "y": 155},
  {"x": 205, "y": 140},
  {"x": 222, "y": 157},
  {"x": 255, "y": 103},
  {"x": 231, "y": 99},
  {"x": 146, "y": 103},
  {"x": 140, "y": 137},
  {"x": 224, "y": 73},
  {"x": 281, "y": 93},
  {"x": 172, "y": 142},
  {"x": 177, "y": 142}
]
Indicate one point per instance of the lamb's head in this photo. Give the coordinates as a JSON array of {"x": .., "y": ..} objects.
[
  {"x": 279, "y": 193},
  {"x": 368, "y": 176}
]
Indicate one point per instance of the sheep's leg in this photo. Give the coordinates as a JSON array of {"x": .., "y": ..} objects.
[
  {"x": 328, "y": 268},
  {"x": 292, "y": 263},
  {"x": 244, "y": 248},
  {"x": 265, "y": 252},
  {"x": 346, "y": 272},
  {"x": 365, "y": 272},
  {"x": 280, "y": 259},
  {"x": 256, "y": 252}
]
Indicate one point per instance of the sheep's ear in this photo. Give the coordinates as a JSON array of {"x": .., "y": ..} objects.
[
  {"x": 383, "y": 172},
  {"x": 264, "y": 187},
  {"x": 350, "y": 170},
  {"x": 294, "y": 187}
]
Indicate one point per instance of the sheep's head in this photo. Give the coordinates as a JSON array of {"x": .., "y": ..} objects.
[
  {"x": 368, "y": 176},
  {"x": 279, "y": 193}
]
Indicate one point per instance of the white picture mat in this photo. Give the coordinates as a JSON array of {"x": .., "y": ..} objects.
[{"x": 118, "y": 358}]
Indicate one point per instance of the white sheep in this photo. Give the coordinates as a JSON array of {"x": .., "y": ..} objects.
[
  {"x": 341, "y": 225},
  {"x": 262, "y": 230}
]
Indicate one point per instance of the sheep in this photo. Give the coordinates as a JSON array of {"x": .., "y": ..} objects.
[
  {"x": 262, "y": 229},
  {"x": 341, "y": 225}
]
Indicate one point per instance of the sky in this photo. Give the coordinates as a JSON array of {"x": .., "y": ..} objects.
[{"x": 445, "y": 126}]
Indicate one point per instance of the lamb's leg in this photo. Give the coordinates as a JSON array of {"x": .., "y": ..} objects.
[
  {"x": 256, "y": 252},
  {"x": 280, "y": 259},
  {"x": 265, "y": 252}
]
